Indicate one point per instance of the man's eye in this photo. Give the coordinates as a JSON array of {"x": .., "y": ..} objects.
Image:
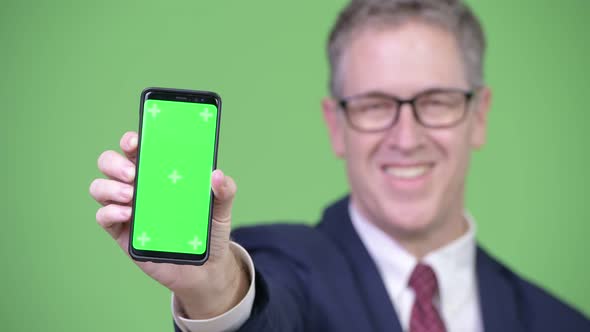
[
  {"x": 442, "y": 100},
  {"x": 437, "y": 102},
  {"x": 374, "y": 106}
]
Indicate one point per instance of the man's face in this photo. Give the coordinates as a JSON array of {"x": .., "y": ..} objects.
[{"x": 408, "y": 179}]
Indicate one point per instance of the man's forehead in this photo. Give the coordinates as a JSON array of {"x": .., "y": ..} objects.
[{"x": 403, "y": 58}]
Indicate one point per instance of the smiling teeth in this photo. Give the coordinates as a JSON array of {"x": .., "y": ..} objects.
[{"x": 407, "y": 172}]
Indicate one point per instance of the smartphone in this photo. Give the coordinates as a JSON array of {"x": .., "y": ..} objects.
[{"x": 177, "y": 152}]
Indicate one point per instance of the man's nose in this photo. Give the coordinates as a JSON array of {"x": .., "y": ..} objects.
[{"x": 406, "y": 134}]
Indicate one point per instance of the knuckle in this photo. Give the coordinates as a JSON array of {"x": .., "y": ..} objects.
[
  {"x": 222, "y": 213},
  {"x": 224, "y": 218},
  {"x": 105, "y": 213}
]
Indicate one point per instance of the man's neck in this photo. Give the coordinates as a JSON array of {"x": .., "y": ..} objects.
[{"x": 421, "y": 242}]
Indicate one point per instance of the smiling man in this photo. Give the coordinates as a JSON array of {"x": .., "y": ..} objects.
[
  {"x": 408, "y": 106},
  {"x": 409, "y": 116}
]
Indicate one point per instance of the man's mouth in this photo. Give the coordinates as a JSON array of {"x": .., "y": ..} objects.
[{"x": 408, "y": 172}]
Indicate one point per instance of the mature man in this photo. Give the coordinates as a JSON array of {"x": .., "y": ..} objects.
[{"x": 408, "y": 106}]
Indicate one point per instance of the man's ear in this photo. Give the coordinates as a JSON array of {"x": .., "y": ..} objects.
[
  {"x": 334, "y": 124},
  {"x": 482, "y": 105}
]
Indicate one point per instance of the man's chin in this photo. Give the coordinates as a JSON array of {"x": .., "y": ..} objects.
[
  {"x": 410, "y": 217},
  {"x": 408, "y": 224}
]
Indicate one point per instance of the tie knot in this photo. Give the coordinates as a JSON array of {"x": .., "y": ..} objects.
[{"x": 423, "y": 282}]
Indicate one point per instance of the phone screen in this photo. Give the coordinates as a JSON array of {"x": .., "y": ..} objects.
[{"x": 177, "y": 151}]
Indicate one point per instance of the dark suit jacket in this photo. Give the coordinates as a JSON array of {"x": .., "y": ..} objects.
[{"x": 323, "y": 279}]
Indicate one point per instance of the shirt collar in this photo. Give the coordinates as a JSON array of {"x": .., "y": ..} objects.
[
  {"x": 453, "y": 264},
  {"x": 394, "y": 263}
]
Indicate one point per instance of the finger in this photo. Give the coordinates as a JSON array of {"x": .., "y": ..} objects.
[
  {"x": 115, "y": 166},
  {"x": 128, "y": 145},
  {"x": 112, "y": 216},
  {"x": 106, "y": 191},
  {"x": 224, "y": 191}
]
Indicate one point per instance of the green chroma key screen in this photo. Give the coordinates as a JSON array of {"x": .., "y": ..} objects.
[{"x": 174, "y": 176}]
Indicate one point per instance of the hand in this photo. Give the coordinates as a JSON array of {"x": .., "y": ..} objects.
[{"x": 205, "y": 291}]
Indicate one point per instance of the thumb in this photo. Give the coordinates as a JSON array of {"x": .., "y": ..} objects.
[{"x": 224, "y": 191}]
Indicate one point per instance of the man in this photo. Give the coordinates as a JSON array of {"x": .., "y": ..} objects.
[{"x": 408, "y": 106}]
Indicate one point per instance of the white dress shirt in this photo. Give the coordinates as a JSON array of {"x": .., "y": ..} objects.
[{"x": 453, "y": 265}]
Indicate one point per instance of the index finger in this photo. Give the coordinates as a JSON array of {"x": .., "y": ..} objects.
[{"x": 128, "y": 145}]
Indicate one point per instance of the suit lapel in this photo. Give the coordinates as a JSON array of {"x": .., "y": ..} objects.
[
  {"x": 498, "y": 298},
  {"x": 336, "y": 224},
  {"x": 498, "y": 301}
]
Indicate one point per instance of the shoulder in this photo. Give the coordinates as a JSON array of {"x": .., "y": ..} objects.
[
  {"x": 538, "y": 310},
  {"x": 545, "y": 310}
]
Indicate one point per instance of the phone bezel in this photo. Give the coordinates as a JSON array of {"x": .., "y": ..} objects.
[{"x": 201, "y": 97}]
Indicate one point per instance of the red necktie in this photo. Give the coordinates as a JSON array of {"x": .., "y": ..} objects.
[{"x": 425, "y": 317}]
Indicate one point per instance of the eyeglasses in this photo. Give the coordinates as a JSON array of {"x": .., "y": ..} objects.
[{"x": 436, "y": 108}]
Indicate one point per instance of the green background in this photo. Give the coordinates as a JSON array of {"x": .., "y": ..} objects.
[
  {"x": 71, "y": 73},
  {"x": 175, "y": 141}
]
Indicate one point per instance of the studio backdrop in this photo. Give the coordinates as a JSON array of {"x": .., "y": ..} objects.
[{"x": 71, "y": 73}]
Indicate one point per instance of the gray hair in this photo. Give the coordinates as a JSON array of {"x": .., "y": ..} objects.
[{"x": 451, "y": 15}]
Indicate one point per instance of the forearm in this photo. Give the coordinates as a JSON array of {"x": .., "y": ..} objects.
[{"x": 275, "y": 299}]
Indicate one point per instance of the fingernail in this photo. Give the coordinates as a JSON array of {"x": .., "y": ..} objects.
[
  {"x": 126, "y": 212},
  {"x": 133, "y": 141},
  {"x": 130, "y": 172},
  {"x": 127, "y": 193}
]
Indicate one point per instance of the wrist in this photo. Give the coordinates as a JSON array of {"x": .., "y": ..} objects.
[{"x": 224, "y": 286}]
